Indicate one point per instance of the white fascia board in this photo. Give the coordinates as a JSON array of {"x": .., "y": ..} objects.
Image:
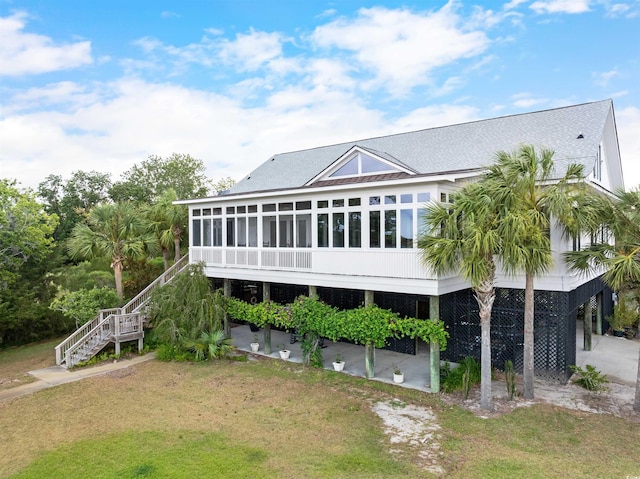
[{"x": 451, "y": 177}]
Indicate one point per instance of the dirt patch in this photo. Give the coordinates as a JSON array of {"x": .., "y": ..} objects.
[
  {"x": 414, "y": 427},
  {"x": 617, "y": 401}
]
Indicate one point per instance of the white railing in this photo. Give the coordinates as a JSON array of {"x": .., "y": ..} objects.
[
  {"x": 87, "y": 333},
  {"x": 384, "y": 263}
]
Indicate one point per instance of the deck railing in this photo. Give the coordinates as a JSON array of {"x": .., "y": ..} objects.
[{"x": 89, "y": 331}]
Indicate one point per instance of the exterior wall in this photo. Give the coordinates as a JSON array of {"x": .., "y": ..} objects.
[{"x": 554, "y": 328}]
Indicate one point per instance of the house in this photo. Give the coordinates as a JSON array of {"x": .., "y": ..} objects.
[{"x": 342, "y": 221}]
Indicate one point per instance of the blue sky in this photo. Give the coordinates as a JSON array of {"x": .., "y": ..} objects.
[{"x": 101, "y": 85}]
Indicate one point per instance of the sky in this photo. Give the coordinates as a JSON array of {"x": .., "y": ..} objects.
[{"x": 102, "y": 85}]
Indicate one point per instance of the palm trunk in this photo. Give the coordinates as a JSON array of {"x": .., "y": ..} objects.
[
  {"x": 165, "y": 257},
  {"x": 528, "y": 361},
  {"x": 117, "y": 272},
  {"x": 485, "y": 295},
  {"x": 636, "y": 404},
  {"x": 176, "y": 244}
]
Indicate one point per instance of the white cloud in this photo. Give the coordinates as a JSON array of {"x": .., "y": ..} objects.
[
  {"x": 400, "y": 47},
  {"x": 526, "y": 100},
  {"x": 28, "y": 53},
  {"x": 602, "y": 78},
  {"x": 250, "y": 51},
  {"x": 561, "y": 6},
  {"x": 628, "y": 126}
]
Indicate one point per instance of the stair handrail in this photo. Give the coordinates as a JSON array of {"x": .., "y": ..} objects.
[
  {"x": 83, "y": 340},
  {"x": 135, "y": 305}
]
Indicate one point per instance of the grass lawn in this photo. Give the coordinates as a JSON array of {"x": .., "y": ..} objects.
[
  {"x": 269, "y": 418},
  {"x": 16, "y": 361}
]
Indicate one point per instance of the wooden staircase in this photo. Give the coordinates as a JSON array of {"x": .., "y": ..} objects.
[{"x": 115, "y": 325}]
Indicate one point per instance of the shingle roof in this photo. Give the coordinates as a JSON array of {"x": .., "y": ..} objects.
[{"x": 451, "y": 148}]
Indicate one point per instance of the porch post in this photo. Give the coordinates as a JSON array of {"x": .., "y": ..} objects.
[
  {"x": 434, "y": 347},
  {"x": 587, "y": 325},
  {"x": 226, "y": 289},
  {"x": 266, "y": 297},
  {"x": 313, "y": 292},
  {"x": 599, "y": 313},
  {"x": 434, "y": 360},
  {"x": 369, "y": 349}
]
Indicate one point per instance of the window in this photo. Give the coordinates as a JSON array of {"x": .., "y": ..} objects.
[
  {"x": 195, "y": 233},
  {"x": 390, "y": 229},
  {"x": 217, "y": 232},
  {"x": 424, "y": 197},
  {"x": 269, "y": 207},
  {"x": 303, "y": 231},
  {"x": 597, "y": 167},
  {"x": 196, "y": 212},
  {"x": 390, "y": 200},
  {"x": 303, "y": 205},
  {"x": 285, "y": 206},
  {"x": 253, "y": 232},
  {"x": 407, "y": 198},
  {"x": 338, "y": 203},
  {"x": 286, "y": 231},
  {"x": 214, "y": 211},
  {"x": 374, "y": 229},
  {"x": 323, "y": 204},
  {"x": 374, "y": 200},
  {"x": 355, "y": 233},
  {"x": 406, "y": 228},
  {"x": 242, "y": 231},
  {"x": 242, "y": 209},
  {"x": 323, "y": 230},
  {"x": 269, "y": 231},
  {"x": 231, "y": 229},
  {"x": 338, "y": 230},
  {"x": 362, "y": 164},
  {"x": 252, "y": 209},
  {"x": 231, "y": 210},
  {"x": 206, "y": 212},
  {"x": 354, "y": 201},
  {"x": 206, "y": 232}
]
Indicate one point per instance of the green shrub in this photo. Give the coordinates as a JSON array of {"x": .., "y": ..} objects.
[
  {"x": 590, "y": 378},
  {"x": 462, "y": 378},
  {"x": 165, "y": 352}
]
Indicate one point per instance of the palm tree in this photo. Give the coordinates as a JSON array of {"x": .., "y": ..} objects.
[
  {"x": 169, "y": 221},
  {"x": 464, "y": 237},
  {"x": 116, "y": 231},
  {"x": 530, "y": 193},
  {"x": 607, "y": 219}
]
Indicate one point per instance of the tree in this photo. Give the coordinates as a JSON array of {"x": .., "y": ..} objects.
[
  {"x": 83, "y": 305},
  {"x": 26, "y": 242},
  {"x": 614, "y": 224},
  {"x": 464, "y": 237},
  {"x": 168, "y": 222},
  {"x": 524, "y": 185},
  {"x": 183, "y": 309},
  {"x": 116, "y": 231},
  {"x": 26, "y": 231},
  {"x": 71, "y": 200},
  {"x": 146, "y": 182}
]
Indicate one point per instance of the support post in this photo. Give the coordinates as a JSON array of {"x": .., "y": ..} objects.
[
  {"x": 313, "y": 292},
  {"x": 226, "y": 290},
  {"x": 266, "y": 296},
  {"x": 434, "y": 307},
  {"x": 434, "y": 360},
  {"x": 434, "y": 346},
  {"x": 636, "y": 404},
  {"x": 369, "y": 349},
  {"x": 587, "y": 325},
  {"x": 599, "y": 313},
  {"x": 369, "y": 360}
]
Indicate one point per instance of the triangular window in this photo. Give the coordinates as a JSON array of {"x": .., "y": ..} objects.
[{"x": 362, "y": 164}]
